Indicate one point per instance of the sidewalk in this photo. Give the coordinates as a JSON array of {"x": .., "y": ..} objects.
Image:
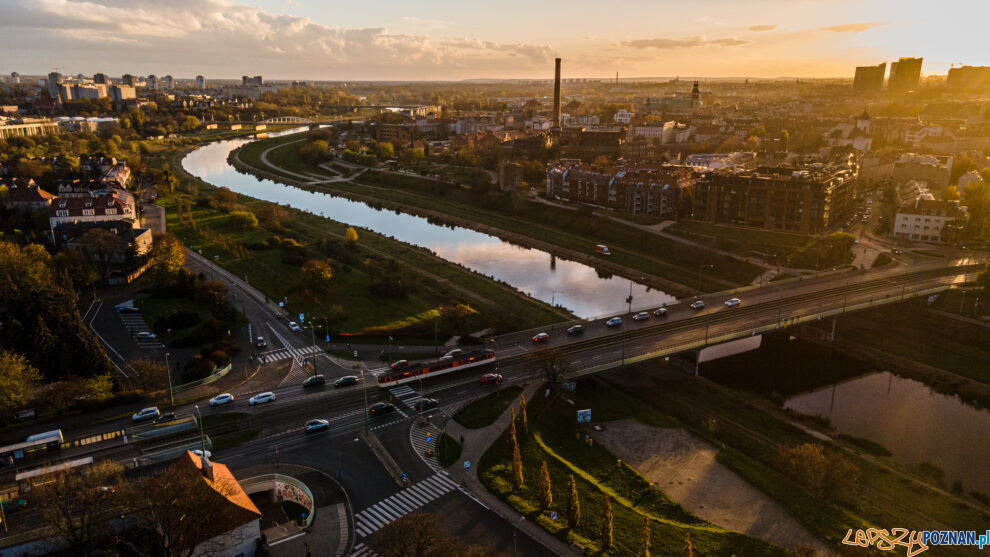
[{"x": 476, "y": 442}]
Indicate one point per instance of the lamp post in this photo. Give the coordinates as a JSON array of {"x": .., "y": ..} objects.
[
  {"x": 495, "y": 344},
  {"x": 515, "y": 528},
  {"x": 202, "y": 434},
  {"x": 168, "y": 373},
  {"x": 701, "y": 269},
  {"x": 364, "y": 388}
]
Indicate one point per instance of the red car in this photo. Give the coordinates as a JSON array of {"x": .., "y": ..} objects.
[
  {"x": 541, "y": 337},
  {"x": 400, "y": 363},
  {"x": 490, "y": 378}
]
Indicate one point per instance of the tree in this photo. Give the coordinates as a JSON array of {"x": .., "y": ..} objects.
[
  {"x": 190, "y": 123},
  {"x": 412, "y": 155},
  {"x": 983, "y": 281},
  {"x": 517, "y": 465},
  {"x": 950, "y": 193},
  {"x": 573, "y": 503},
  {"x": 644, "y": 536},
  {"x": 688, "y": 550},
  {"x": 317, "y": 277},
  {"x": 523, "y": 421},
  {"x": 422, "y": 534},
  {"x": 74, "y": 503},
  {"x": 543, "y": 487},
  {"x": 18, "y": 382},
  {"x": 149, "y": 375},
  {"x": 168, "y": 256},
  {"x": 554, "y": 366},
  {"x": 822, "y": 473},
  {"x": 385, "y": 150},
  {"x": 838, "y": 248},
  {"x": 351, "y": 236},
  {"x": 74, "y": 265},
  {"x": 245, "y": 220},
  {"x": 100, "y": 246},
  {"x": 315, "y": 152},
  {"x": 606, "y": 530}
]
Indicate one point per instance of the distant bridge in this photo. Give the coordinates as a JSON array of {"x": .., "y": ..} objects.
[{"x": 287, "y": 120}]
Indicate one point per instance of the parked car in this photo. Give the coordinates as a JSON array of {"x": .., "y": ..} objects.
[
  {"x": 541, "y": 338},
  {"x": 127, "y": 309},
  {"x": 221, "y": 399},
  {"x": 489, "y": 378},
  {"x": 294, "y": 327},
  {"x": 641, "y": 316},
  {"x": 164, "y": 418},
  {"x": 145, "y": 335},
  {"x": 732, "y": 302},
  {"x": 380, "y": 408},
  {"x": 575, "y": 329},
  {"x": 455, "y": 353},
  {"x": 400, "y": 363},
  {"x": 146, "y": 414},
  {"x": 314, "y": 381},
  {"x": 346, "y": 381},
  {"x": 614, "y": 322},
  {"x": 697, "y": 304},
  {"x": 262, "y": 398},
  {"x": 660, "y": 312},
  {"x": 426, "y": 404},
  {"x": 260, "y": 343},
  {"x": 199, "y": 452},
  {"x": 315, "y": 426}
]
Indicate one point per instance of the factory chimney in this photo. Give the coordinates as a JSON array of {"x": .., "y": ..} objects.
[{"x": 556, "y": 94}]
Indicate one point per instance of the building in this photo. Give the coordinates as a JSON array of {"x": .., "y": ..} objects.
[
  {"x": 854, "y": 134},
  {"x": 579, "y": 121},
  {"x": 101, "y": 79},
  {"x": 120, "y": 93},
  {"x": 905, "y": 74},
  {"x": 255, "y": 81},
  {"x": 589, "y": 144},
  {"x": 168, "y": 83},
  {"x": 15, "y": 78},
  {"x": 27, "y": 126},
  {"x": 650, "y": 189},
  {"x": 27, "y": 197},
  {"x": 200, "y": 82},
  {"x": 930, "y": 168},
  {"x": 969, "y": 76},
  {"x": 966, "y": 180},
  {"x": 152, "y": 82},
  {"x": 510, "y": 176},
  {"x": 869, "y": 78},
  {"x": 106, "y": 207},
  {"x": 54, "y": 83},
  {"x": 784, "y": 199},
  {"x": 662, "y": 131},
  {"x": 623, "y": 116},
  {"x": 929, "y": 220},
  {"x": 127, "y": 80},
  {"x": 717, "y": 161}
]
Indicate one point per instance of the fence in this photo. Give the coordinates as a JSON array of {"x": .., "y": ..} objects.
[{"x": 217, "y": 374}]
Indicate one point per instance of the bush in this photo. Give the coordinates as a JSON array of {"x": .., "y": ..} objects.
[
  {"x": 245, "y": 220},
  {"x": 294, "y": 254},
  {"x": 174, "y": 319}
]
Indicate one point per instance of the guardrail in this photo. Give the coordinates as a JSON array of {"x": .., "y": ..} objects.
[{"x": 216, "y": 375}]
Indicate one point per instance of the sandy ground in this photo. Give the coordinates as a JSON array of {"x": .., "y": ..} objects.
[{"x": 684, "y": 467}]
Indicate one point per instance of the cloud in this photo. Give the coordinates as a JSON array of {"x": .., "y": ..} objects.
[
  {"x": 684, "y": 42},
  {"x": 853, "y": 27},
  {"x": 219, "y": 37},
  {"x": 759, "y": 28}
]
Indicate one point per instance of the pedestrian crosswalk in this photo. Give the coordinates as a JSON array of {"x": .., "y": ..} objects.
[
  {"x": 417, "y": 495},
  {"x": 425, "y": 439},
  {"x": 283, "y": 353},
  {"x": 361, "y": 550}
]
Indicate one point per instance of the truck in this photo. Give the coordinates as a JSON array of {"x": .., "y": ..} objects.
[{"x": 602, "y": 249}]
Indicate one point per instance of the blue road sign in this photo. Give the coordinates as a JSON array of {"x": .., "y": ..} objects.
[
  {"x": 429, "y": 438},
  {"x": 302, "y": 317},
  {"x": 553, "y": 515},
  {"x": 467, "y": 465},
  {"x": 328, "y": 338}
]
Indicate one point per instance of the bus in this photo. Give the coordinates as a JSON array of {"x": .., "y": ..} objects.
[
  {"x": 418, "y": 370},
  {"x": 35, "y": 445}
]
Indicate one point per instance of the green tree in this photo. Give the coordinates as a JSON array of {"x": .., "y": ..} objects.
[
  {"x": 190, "y": 123},
  {"x": 315, "y": 152},
  {"x": 149, "y": 376},
  {"x": 245, "y": 220},
  {"x": 18, "y": 383},
  {"x": 838, "y": 249},
  {"x": 385, "y": 150},
  {"x": 351, "y": 236},
  {"x": 606, "y": 529},
  {"x": 644, "y": 536},
  {"x": 950, "y": 193},
  {"x": 523, "y": 421},
  {"x": 317, "y": 276},
  {"x": 74, "y": 265},
  {"x": 100, "y": 246},
  {"x": 412, "y": 155},
  {"x": 573, "y": 503},
  {"x": 168, "y": 256},
  {"x": 543, "y": 487}
]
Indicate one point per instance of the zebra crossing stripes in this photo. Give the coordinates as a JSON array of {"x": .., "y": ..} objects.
[
  {"x": 361, "y": 550},
  {"x": 284, "y": 353},
  {"x": 427, "y": 450},
  {"x": 417, "y": 495}
]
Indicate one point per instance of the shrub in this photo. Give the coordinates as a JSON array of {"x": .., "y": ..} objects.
[
  {"x": 245, "y": 220},
  {"x": 175, "y": 319}
]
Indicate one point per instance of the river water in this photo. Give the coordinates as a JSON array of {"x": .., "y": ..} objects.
[
  {"x": 916, "y": 424},
  {"x": 569, "y": 284}
]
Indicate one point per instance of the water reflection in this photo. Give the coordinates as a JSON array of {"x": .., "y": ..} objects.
[{"x": 572, "y": 285}]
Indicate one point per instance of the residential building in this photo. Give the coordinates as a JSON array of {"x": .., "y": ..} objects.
[
  {"x": 869, "y": 78},
  {"x": 104, "y": 207},
  {"x": 26, "y": 197},
  {"x": 589, "y": 143},
  {"x": 651, "y": 189},
  {"x": 8, "y": 109},
  {"x": 663, "y": 131},
  {"x": 247, "y": 81},
  {"x": 579, "y": 121},
  {"x": 931, "y": 168},
  {"x": 905, "y": 74},
  {"x": 168, "y": 83},
  {"x": 200, "y": 82},
  {"x": 929, "y": 220},
  {"x": 623, "y": 116},
  {"x": 152, "y": 82},
  {"x": 54, "y": 84},
  {"x": 101, "y": 79},
  {"x": 127, "y": 80},
  {"x": 510, "y": 176},
  {"x": 26, "y": 127},
  {"x": 15, "y": 78},
  {"x": 854, "y": 134},
  {"x": 539, "y": 123},
  {"x": 810, "y": 200},
  {"x": 120, "y": 93},
  {"x": 915, "y": 136},
  {"x": 969, "y": 76},
  {"x": 718, "y": 161}
]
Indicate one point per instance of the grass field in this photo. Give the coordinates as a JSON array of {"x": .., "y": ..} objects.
[
  {"x": 487, "y": 409},
  {"x": 448, "y": 450}
]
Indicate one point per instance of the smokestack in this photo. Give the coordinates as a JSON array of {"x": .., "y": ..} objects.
[{"x": 556, "y": 94}]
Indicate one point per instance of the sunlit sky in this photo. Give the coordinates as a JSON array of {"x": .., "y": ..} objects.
[{"x": 459, "y": 39}]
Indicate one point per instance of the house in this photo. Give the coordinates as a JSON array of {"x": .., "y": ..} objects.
[
  {"x": 110, "y": 206},
  {"x": 931, "y": 168},
  {"x": 929, "y": 220},
  {"x": 27, "y": 197},
  {"x": 857, "y": 135}
]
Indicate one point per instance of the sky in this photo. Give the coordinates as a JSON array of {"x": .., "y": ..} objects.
[{"x": 476, "y": 39}]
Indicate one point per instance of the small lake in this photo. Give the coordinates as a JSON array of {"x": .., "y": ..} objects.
[{"x": 569, "y": 284}]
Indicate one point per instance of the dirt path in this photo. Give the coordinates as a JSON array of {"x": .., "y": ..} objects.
[{"x": 684, "y": 467}]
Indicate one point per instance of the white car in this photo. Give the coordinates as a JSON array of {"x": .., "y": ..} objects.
[
  {"x": 199, "y": 452},
  {"x": 698, "y": 304},
  {"x": 146, "y": 414},
  {"x": 294, "y": 327},
  {"x": 261, "y": 398},
  {"x": 455, "y": 353},
  {"x": 145, "y": 335},
  {"x": 221, "y": 399},
  {"x": 641, "y": 316},
  {"x": 732, "y": 302}
]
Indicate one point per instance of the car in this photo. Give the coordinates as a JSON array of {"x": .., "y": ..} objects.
[
  {"x": 146, "y": 414},
  {"x": 896, "y": 251},
  {"x": 316, "y": 426},
  {"x": 455, "y": 353},
  {"x": 641, "y": 316},
  {"x": 314, "y": 381},
  {"x": 575, "y": 329},
  {"x": 164, "y": 418},
  {"x": 614, "y": 322},
  {"x": 127, "y": 309},
  {"x": 399, "y": 363},
  {"x": 541, "y": 338},
  {"x": 697, "y": 304},
  {"x": 426, "y": 404},
  {"x": 260, "y": 343},
  {"x": 13, "y": 505},
  {"x": 294, "y": 327},
  {"x": 346, "y": 381},
  {"x": 490, "y": 378},
  {"x": 262, "y": 398},
  {"x": 145, "y": 335},
  {"x": 199, "y": 452},
  {"x": 380, "y": 408},
  {"x": 221, "y": 399},
  {"x": 732, "y": 302},
  {"x": 660, "y": 312}
]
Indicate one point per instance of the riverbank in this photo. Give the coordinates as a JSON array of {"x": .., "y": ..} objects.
[{"x": 668, "y": 265}]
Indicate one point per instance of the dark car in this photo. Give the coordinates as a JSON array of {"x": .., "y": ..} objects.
[
  {"x": 314, "y": 381},
  {"x": 426, "y": 404},
  {"x": 166, "y": 417},
  {"x": 380, "y": 408},
  {"x": 346, "y": 381},
  {"x": 575, "y": 329},
  {"x": 260, "y": 343}
]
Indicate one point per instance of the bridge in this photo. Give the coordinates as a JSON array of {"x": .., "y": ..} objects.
[{"x": 296, "y": 120}]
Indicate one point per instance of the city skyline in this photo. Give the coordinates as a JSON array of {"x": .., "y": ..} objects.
[{"x": 300, "y": 39}]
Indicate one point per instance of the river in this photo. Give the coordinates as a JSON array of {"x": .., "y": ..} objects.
[{"x": 569, "y": 284}]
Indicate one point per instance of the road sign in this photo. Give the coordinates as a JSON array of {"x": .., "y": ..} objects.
[
  {"x": 302, "y": 317},
  {"x": 281, "y": 304},
  {"x": 467, "y": 465},
  {"x": 553, "y": 515},
  {"x": 429, "y": 438},
  {"x": 355, "y": 354},
  {"x": 570, "y": 385},
  {"x": 584, "y": 416},
  {"x": 328, "y": 338}
]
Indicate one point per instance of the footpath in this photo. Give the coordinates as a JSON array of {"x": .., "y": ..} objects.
[{"x": 475, "y": 443}]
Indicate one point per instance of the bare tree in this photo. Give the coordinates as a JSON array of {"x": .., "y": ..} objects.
[
  {"x": 555, "y": 367},
  {"x": 76, "y": 503},
  {"x": 149, "y": 375},
  {"x": 422, "y": 534}
]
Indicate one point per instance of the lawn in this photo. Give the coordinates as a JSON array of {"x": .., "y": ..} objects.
[
  {"x": 448, "y": 450},
  {"x": 487, "y": 409},
  {"x": 556, "y": 438}
]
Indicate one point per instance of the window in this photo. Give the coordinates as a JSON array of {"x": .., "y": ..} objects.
[
  {"x": 61, "y": 213},
  {"x": 112, "y": 211},
  {"x": 88, "y": 212}
]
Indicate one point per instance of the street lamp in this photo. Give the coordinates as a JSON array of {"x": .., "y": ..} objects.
[
  {"x": 515, "y": 528},
  {"x": 202, "y": 434},
  {"x": 168, "y": 373},
  {"x": 491, "y": 340},
  {"x": 364, "y": 388}
]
